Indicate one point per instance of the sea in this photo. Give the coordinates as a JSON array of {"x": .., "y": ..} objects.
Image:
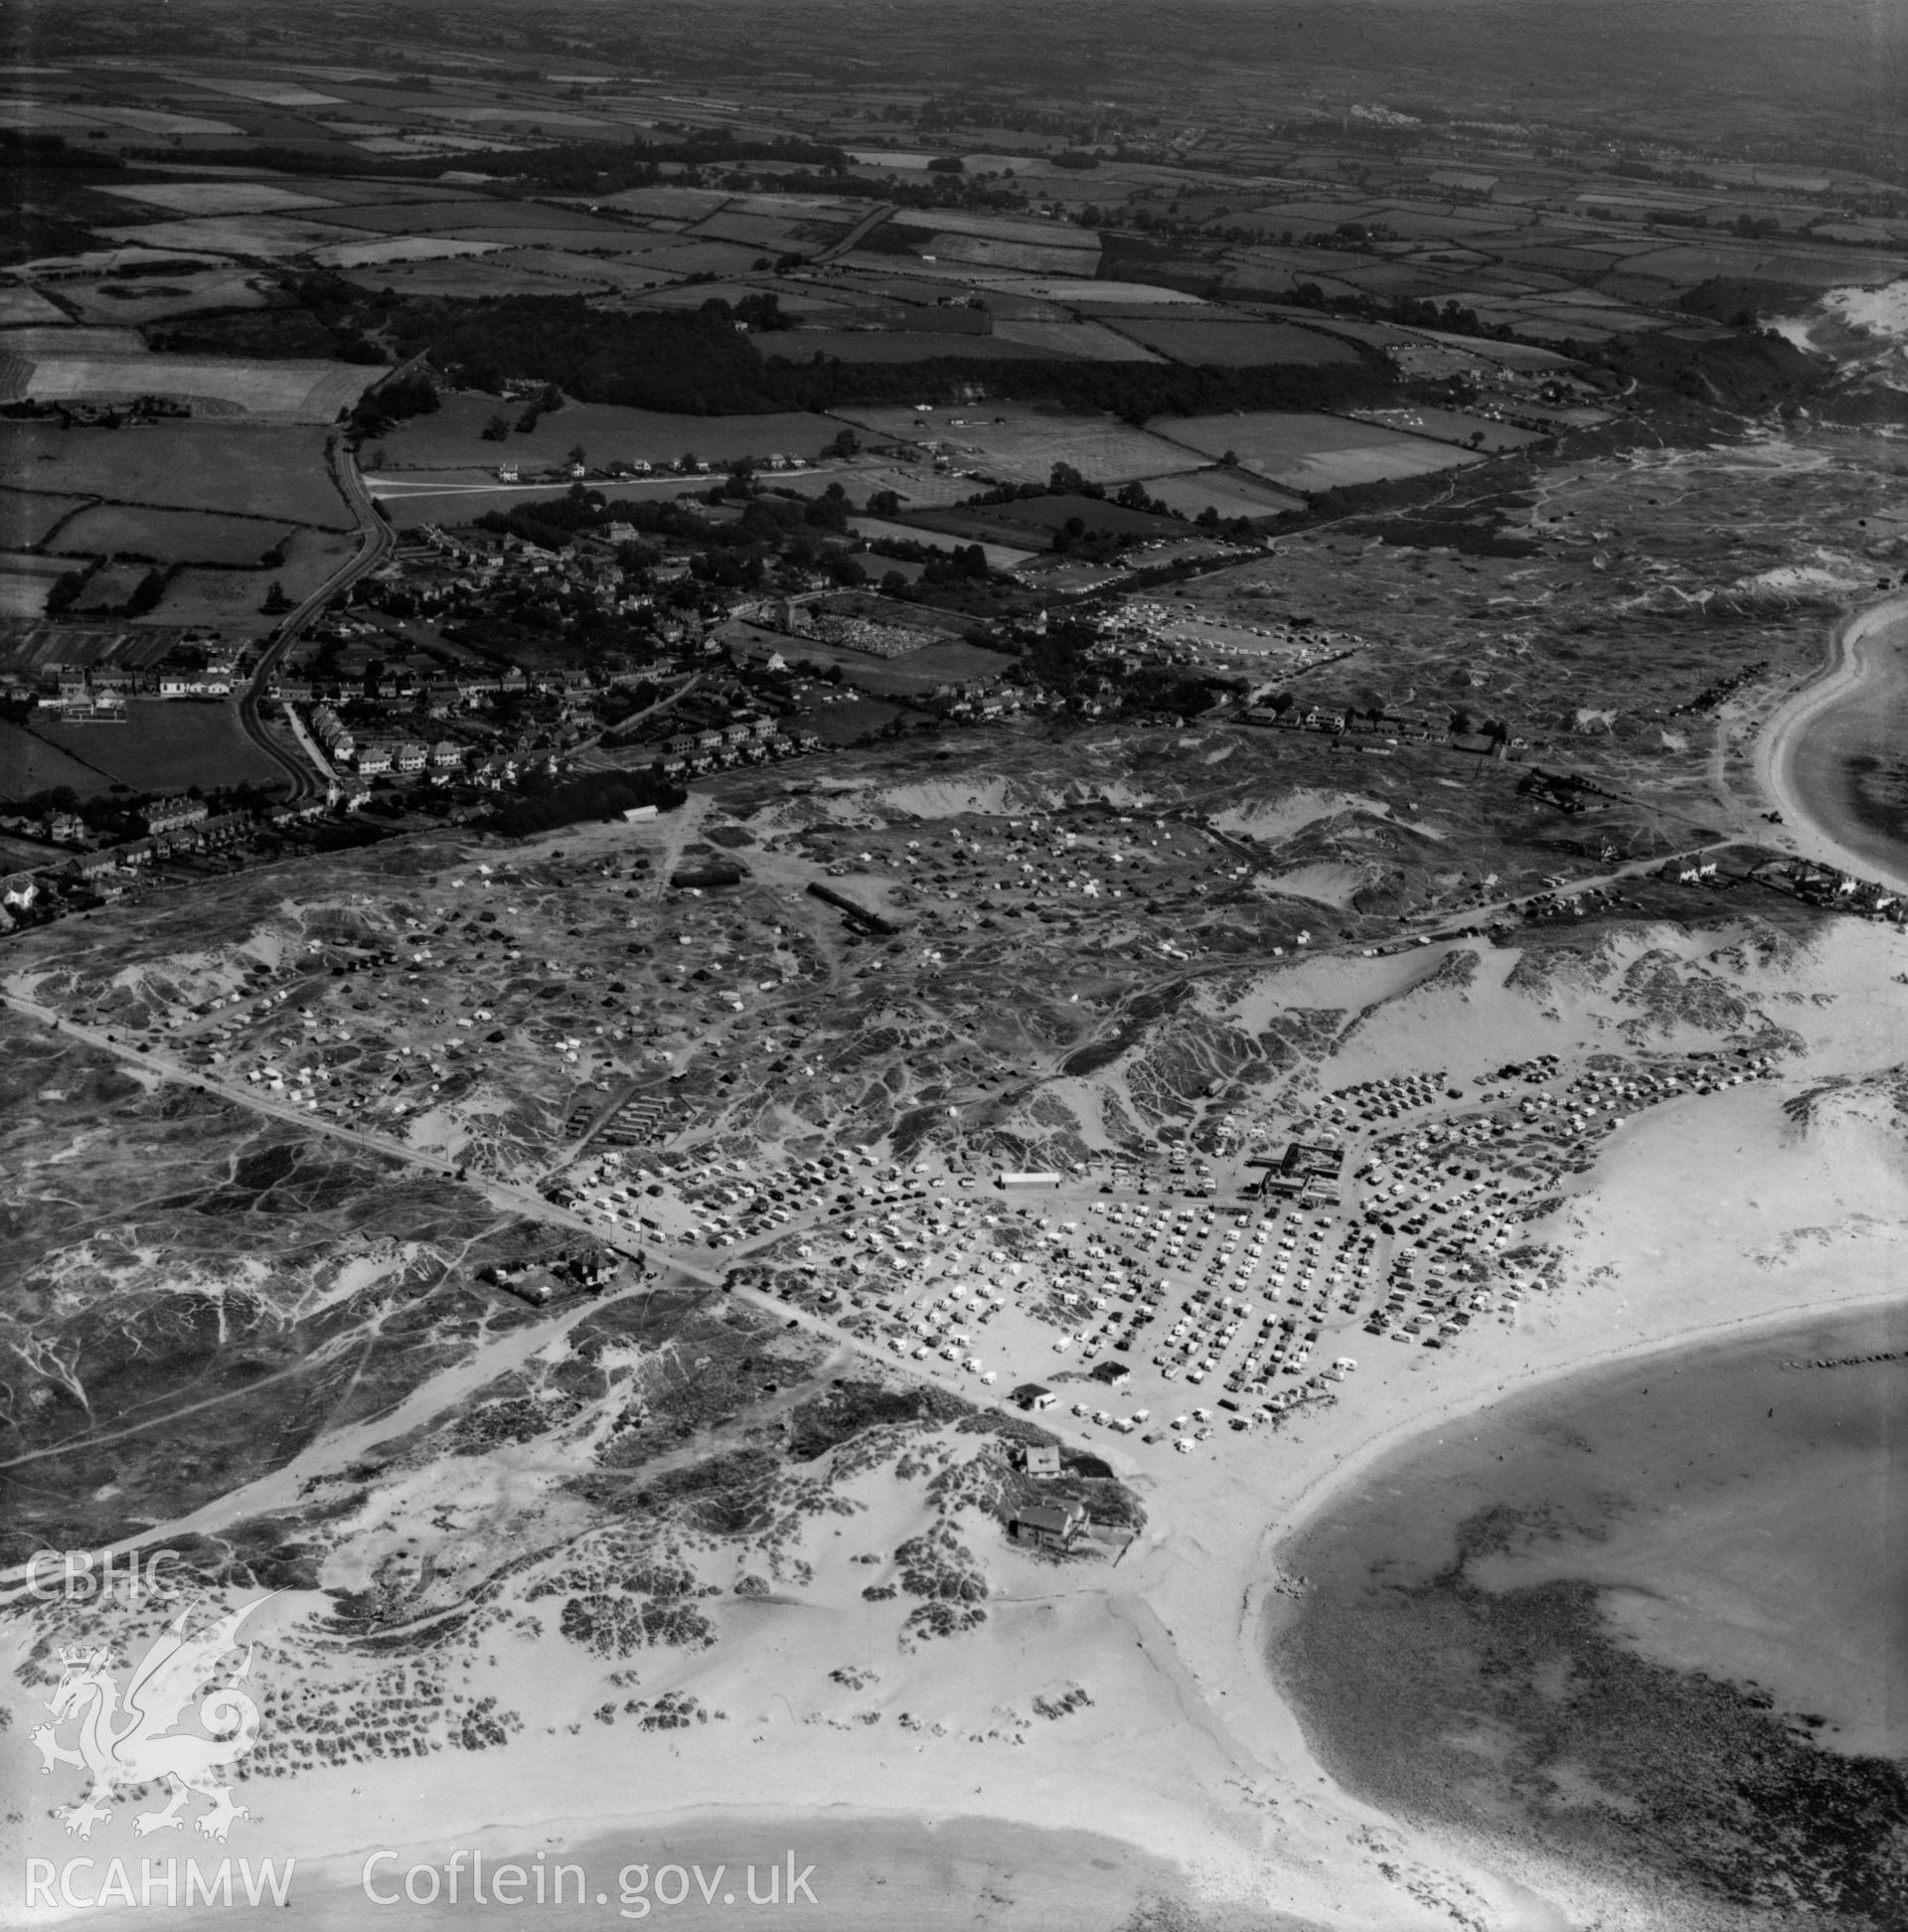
[
  {"x": 1850, "y": 761},
  {"x": 1649, "y": 1624}
]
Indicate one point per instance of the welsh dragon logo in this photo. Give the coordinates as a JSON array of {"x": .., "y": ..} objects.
[{"x": 137, "y": 1741}]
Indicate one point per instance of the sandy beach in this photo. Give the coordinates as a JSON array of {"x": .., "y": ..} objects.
[{"x": 1856, "y": 708}]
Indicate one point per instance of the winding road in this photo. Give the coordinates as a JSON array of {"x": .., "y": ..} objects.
[{"x": 377, "y": 541}]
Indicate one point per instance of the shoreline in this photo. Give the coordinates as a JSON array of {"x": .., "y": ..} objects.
[
  {"x": 1838, "y": 684},
  {"x": 1267, "y": 1603},
  {"x": 1318, "y": 1495}
]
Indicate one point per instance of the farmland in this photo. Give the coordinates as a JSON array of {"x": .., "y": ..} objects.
[
  {"x": 1236, "y": 343},
  {"x": 1005, "y": 546},
  {"x": 23, "y": 592},
  {"x": 1022, "y": 444},
  {"x": 868, "y": 346},
  {"x": 452, "y": 437},
  {"x": 237, "y": 235},
  {"x": 169, "y": 536},
  {"x": 1231, "y": 493},
  {"x": 1096, "y": 341},
  {"x": 158, "y": 299},
  {"x": 27, "y": 520},
  {"x": 1311, "y": 453},
  {"x": 234, "y": 600},
  {"x": 218, "y": 197},
  {"x": 282, "y": 391},
  {"x": 1454, "y": 427},
  {"x": 108, "y": 589},
  {"x": 267, "y": 471}
]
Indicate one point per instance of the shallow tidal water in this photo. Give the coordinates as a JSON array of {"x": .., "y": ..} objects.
[
  {"x": 1650, "y": 1621},
  {"x": 1851, "y": 763}
]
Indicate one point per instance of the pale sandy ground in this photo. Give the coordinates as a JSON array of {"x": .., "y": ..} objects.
[{"x": 1702, "y": 1217}]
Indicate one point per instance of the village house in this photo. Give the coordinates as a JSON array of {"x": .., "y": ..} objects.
[
  {"x": 174, "y": 814},
  {"x": 1047, "y": 1525}
]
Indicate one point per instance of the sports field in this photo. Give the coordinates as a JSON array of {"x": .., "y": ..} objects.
[
  {"x": 29, "y": 764},
  {"x": 166, "y": 747}
]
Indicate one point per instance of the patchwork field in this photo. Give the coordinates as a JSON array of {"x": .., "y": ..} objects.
[
  {"x": 154, "y": 299},
  {"x": 21, "y": 304},
  {"x": 238, "y": 234},
  {"x": 461, "y": 497},
  {"x": 633, "y": 273},
  {"x": 267, "y": 470},
  {"x": 897, "y": 346},
  {"x": 914, "y": 674},
  {"x": 1094, "y": 340},
  {"x": 982, "y": 251},
  {"x": 31, "y": 115},
  {"x": 1233, "y": 343},
  {"x": 22, "y": 594},
  {"x": 955, "y": 532},
  {"x": 217, "y": 197},
  {"x": 523, "y": 219},
  {"x": 1311, "y": 453},
  {"x": 1034, "y": 519},
  {"x": 72, "y": 338},
  {"x": 108, "y": 589},
  {"x": 27, "y": 520},
  {"x": 1454, "y": 427},
  {"x": 1228, "y": 492},
  {"x": 1019, "y": 443},
  {"x": 398, "y": 249},
  {"x": 287, "y": 391},
  {"x": 452, "y": 438}
]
